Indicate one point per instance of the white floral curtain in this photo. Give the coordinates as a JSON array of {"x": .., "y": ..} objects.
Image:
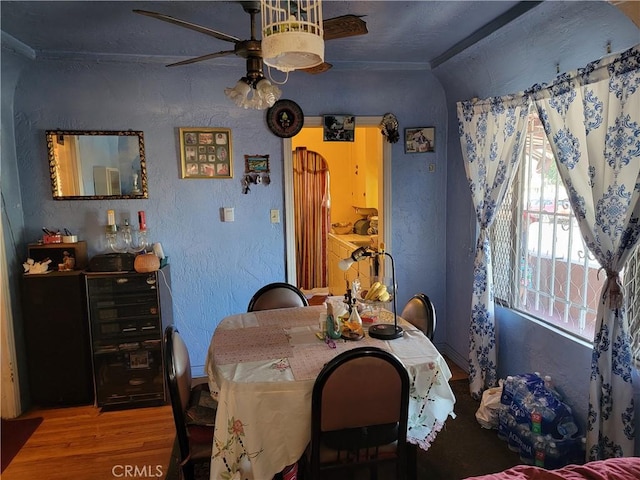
[
  {"x": 592, "y": 120},
  {"x": 492, "y": 134}
]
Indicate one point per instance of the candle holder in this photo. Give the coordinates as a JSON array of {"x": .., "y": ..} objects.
[{"x": 121, "y": 240}]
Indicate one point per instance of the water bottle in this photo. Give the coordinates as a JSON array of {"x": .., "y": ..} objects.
[
  {"x": 548, "y": 384},
  {"x": 548, "y": 416},
  {"x": 567, "y": 427},
  {"x": 522, "y": 402},
  {"x": 507, "y": 391},
  {"x": 503, "y": 413},
  {"x": 536, "y": 422},
  {"x": 520, "y": 390},
  {"x": 513, "y": 438},
  {"x": 527, "y": 452},
  {"x": 540, "y": 448}
]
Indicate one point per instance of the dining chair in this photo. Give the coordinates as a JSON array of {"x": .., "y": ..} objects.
[
  {"x": 194, "y": 410},
  {"x": 277, "y": 295},
  {"x": 420, "y": 312},
  {"x": 359, "y": 414}
]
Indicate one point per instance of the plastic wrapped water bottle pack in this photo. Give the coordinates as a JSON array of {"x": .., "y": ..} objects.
[{"x": 535, "y": 422}]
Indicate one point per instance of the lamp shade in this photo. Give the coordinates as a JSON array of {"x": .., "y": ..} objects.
[
  {"x": 258, "y": 95},
  {"x": 356, "y": 256},
  {"x": 292, "y": 34},
  {"x": 345, "y": 264}
]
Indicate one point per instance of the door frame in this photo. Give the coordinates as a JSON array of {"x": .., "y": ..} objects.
[
  {"x": 10, "y": 403},
  {"x": 384, "y": 179}
]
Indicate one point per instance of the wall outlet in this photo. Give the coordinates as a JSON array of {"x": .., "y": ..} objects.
[{"x": 275, "y": 216}]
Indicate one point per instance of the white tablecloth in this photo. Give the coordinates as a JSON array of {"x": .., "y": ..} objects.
[{"x": 263, "y": 366}]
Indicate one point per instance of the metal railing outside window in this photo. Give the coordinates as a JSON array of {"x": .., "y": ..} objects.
[{"x": 541, "y": 265}]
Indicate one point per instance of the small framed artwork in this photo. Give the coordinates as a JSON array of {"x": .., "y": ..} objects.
[
  {"x": 419, "y": 140},
  {"x": 205, "y": 152},
  {"x": 256, "y": 164},
  {"x": 339, "y": 128}
]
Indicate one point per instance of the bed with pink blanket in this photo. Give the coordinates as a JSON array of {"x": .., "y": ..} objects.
[{"x": 625, "y": 468}]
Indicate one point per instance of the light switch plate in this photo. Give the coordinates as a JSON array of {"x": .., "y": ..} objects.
[
  {"x": 275, "y": 216},
  {"x": 229, "y": 214}
]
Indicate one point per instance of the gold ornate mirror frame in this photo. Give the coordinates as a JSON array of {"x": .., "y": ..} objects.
[{"x": 97, "y": 165}]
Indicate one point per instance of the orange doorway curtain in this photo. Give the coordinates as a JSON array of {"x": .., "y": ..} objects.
[{"x": 312, "y": 206}]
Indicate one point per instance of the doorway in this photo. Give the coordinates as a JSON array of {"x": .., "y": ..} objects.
[{"x": 372, "y": 124}]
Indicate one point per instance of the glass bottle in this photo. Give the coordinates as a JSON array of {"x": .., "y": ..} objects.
[
  {"x": 355, "y": 322},
  {"x": 333, "y": 323}
]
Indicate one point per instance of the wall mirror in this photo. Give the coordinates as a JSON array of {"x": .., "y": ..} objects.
[{"x": 86, "y": 165}]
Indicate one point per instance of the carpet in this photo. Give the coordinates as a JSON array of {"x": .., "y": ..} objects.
[
  {"x": 463, "y": 448},
  {"x": 14, "y": 435}
]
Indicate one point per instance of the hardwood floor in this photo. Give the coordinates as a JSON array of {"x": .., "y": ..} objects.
[{"x": 88, "y": 444}]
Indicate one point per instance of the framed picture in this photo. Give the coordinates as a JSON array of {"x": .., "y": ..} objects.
[
  {"x": 256, "y": 164},
  {"x": 205, "y": 152},
  {"x": 419, "y": 140},
  {"x": 339, "y": 128}
]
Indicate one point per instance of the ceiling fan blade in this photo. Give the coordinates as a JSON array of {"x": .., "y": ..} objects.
[
  {"x": 209, "y": 56},
  {"x": 344, "y": 26},
  {"x": 323, "y": 67},
  {"x": 189, "y": 25}
]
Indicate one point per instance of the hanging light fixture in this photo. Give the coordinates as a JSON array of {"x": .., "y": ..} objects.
[
  {"x": 292, "y": 34},
  {"x": 254, "y": 90}
]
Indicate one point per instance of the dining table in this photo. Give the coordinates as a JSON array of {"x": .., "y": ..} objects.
[{"x": 261, "y": 369}]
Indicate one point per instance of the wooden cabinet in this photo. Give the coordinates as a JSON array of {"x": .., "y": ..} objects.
[
  {"x": 128, "y": 313},
  {"x": 339, "y": 279},
  {"x": 56, "y": 333},
  {"x": 337, "y": 283}
]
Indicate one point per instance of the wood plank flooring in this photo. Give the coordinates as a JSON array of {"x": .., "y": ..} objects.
[{"x": 84, "y": 443}]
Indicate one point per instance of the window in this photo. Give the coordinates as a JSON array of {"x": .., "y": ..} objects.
[
  {"x": 541, "y": 265},
  {"x": 632, "y": 296}
]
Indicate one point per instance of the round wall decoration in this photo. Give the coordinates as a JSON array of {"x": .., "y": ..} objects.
[{"x": 285, "y": 118}]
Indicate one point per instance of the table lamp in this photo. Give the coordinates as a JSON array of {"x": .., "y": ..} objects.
[{"x": 380, "y": 331}]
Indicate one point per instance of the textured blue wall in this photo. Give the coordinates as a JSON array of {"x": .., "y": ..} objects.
[
  {"x": 525, "y": 52},
  {"x": 216, "y": 267}
]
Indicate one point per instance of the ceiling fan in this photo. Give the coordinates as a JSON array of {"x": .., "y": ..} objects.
[{"x": 334, "y": 28}]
